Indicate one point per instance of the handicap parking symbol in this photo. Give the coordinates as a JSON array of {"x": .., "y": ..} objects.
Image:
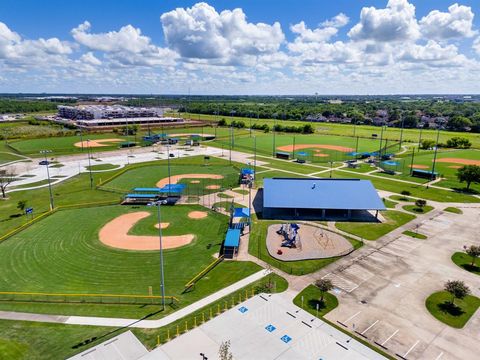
[
  {"x": 286, "y": 339},
  {"x": 270, "y": 328},
  {"x": 243, "y": 309}
]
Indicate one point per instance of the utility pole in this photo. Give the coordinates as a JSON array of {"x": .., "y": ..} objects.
[
  {"x": 274, "y": 125},
  {"x": 411, "y": 163},
  {"x": 162, "y": 277},
  {"x": 401, "y": 134},
  {"x": 420, "y": 139}
]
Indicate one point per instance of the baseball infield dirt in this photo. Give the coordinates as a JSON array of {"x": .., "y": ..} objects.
[
  {"x": 96, "y": 143},
  {"x": 175, "y": 178}
]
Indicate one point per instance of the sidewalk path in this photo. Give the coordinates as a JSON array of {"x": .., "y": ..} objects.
[{"x": 132, "y": 323}]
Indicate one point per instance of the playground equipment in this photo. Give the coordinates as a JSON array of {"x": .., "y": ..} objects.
[{"x": 290, "y": 235}]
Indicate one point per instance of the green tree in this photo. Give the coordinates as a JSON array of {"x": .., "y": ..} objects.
[
  {"x": 457, "y": 289},
  {"x": 469, "y": 174},
  {"x": 21, "y": 205},
  {"x": 474, "y": 252},
  {"x": 420, "y": 203},
  {"x": 427, "y": 144},
  {"x": 222, "y": 122},
  {"x": 459, "y": 143},
  {"x": 459, "y": 123},
  {"x": 323, "y": 285}
]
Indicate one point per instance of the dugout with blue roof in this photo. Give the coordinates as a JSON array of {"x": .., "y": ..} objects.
[
  {"x": 319, "y": 198},
  {"x": 231, "y": 243}
]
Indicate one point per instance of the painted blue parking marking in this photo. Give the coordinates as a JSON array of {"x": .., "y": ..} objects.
[
  {"x": 243, "y": 309},
  {"x": 286, "y": 339},
  {"x": 270, "y": 328}
]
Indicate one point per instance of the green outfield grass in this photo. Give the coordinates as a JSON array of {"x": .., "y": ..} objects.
[
  {"x": 62, "y": 254},
  {"x": 64, "y": 145},
  {"x": 372, "y": 231},
  {"x": 265, "y": 145},
  {"x": 148, "y": 176}
]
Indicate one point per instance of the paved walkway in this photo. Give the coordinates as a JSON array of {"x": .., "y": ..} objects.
[{"x": 120, "y": 322}]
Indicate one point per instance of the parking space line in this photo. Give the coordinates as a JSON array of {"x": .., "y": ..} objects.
[
  {"x": 439, "y": 356},
  {"x": 409, "y": 350},
  {"x": 364, "y": 331},
  {"x": 395, "y": 332},
  {"x": 351, "y": 317}
]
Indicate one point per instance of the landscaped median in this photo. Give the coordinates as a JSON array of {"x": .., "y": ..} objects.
[
  {"x": 454, "y": 314},
  {"x": 373, "y": 231},
  {"x": 464, "y": 261}
]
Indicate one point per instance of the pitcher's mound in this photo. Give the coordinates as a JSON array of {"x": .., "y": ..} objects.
[
  {"x": 212, "y": 187},
  {"x": 163, "y": 225},
  {"x": 197, "y": 214}
]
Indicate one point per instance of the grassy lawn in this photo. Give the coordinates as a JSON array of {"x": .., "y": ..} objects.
[
  {"x": 48, "y": 257},
  {"x": 29, "y": 340},
  {"x": 454, "y": 315},
  {"x": 372, "y": 231},
  {"x": 464, "y": 261},
  {"x": 224, "y": 196},
  {"x": 257, "y": 247},
  {"x": 311, "y": 299},
  {"x": 241, "y": 191},
  {"x": 414, "y": 234},
  {"x": 415, "y": 190},
  {"x": 453, "y": 210},
  {"x": 389, "y": 203},
  {"x": 401, "y": 198},
  {"x": 102, "y": 167},
  {"x": 418, "y": 210}
]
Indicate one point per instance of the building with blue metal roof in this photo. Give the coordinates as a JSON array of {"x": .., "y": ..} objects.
[{"x": 319, "y": 198}]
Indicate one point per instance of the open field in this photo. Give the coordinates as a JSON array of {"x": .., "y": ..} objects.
[
  {"x": 411, "y": 135},
  {"x": 50, "y": 258}
]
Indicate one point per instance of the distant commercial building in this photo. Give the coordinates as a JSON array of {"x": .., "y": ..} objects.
[{"x": 90, "y": 112}]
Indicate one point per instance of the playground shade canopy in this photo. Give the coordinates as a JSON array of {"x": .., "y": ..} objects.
[
  {"x": 241, "y": 212},
  {"x": 232, "y": 239},
  {"x": 341, "y": 194},
  {"x": 247, "y": 171}
]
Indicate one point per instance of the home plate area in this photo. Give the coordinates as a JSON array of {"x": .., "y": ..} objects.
[{"x": 364, "y": 267}]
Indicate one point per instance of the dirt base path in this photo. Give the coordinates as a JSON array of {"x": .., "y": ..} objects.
[
  {"x": 290, "y": 148},
  {"x": 115, "y": 234},
  {"x": 96, "y": 143},
  {"x": 459, "y": 161},
  {"x": 175, "y": 178}
]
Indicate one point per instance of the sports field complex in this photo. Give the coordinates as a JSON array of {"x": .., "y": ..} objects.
[{"x": 84, "y": 272}]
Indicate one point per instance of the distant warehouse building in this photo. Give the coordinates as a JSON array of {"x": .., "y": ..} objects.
[
  {"x": 107, "y": 117},
  {"x": 285, "y": 198},
  {"x": 91, "y": 112}
]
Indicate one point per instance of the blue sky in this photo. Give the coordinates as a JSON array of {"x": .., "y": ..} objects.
[{"x": 262, "y": 47}]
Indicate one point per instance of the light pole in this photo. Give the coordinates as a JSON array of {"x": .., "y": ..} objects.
[
  {"x": 168, "y": 166},
  {"x": 89, "y": 164},
  {"x": 274, "y": 125},
  {"x": 401, "y": 134},
  {"x": 162, "y": 277},
  {"x": 45, "y": 152},
  {"x": 435, "y": 155},
  {"x": 420, "y": 139}
]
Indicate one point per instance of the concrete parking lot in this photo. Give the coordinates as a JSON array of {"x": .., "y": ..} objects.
[{"x": 382, "y": 292}]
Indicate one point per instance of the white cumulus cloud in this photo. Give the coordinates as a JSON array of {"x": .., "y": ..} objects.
[
  {"x": 396, "y": 22},
  {"x": 456, "y": 23},
  {"x": 203, "y": 33},
  {"x": 337, "y": 21}
]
